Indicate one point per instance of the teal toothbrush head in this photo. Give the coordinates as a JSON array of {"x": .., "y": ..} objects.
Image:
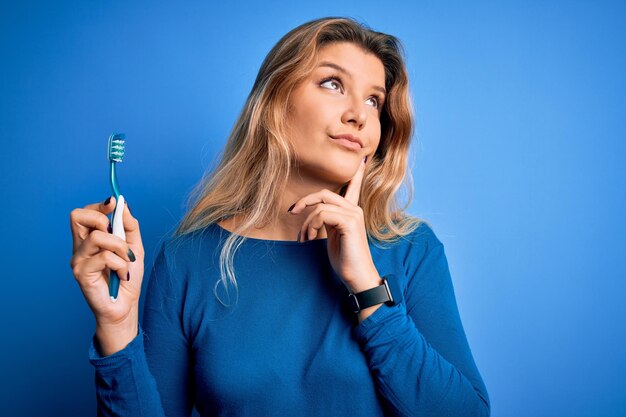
[{"x": 116, "y": 150}]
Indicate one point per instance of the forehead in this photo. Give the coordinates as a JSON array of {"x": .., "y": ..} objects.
[{"x": 358, "y": 62}]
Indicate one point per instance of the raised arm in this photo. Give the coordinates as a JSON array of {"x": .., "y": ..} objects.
[
  {"x": 417, "y": 350},
  {"x": 150, "y": 376}
]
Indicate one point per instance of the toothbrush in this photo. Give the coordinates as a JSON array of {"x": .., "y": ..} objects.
[{"x": 116, "y": 154}]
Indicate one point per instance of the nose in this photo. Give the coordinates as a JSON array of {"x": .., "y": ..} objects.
[{"x": 355, "y": 113}]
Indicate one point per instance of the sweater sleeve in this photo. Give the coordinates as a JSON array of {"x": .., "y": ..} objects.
[
  {"x": 151, "y": 376},
  {"x": 417, "y": 350}
]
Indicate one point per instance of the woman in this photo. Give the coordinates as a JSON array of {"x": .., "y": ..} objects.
[{"x": 294, "y": 285}]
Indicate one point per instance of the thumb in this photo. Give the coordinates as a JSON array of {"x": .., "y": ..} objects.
[
  {"x": 354, "y": 187},
  {"x": 131, "y": 229}
]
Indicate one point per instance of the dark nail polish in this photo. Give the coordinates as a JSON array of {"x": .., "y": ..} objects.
[
  {"x": 128, "y": 276},
  {"x": 131, "y": 255},
  {"x": 291, "y": 208},
  {"x": 366, "y": 159},
  {"x": 109, "y": 228},
  {"x": 107, "y": 201}
]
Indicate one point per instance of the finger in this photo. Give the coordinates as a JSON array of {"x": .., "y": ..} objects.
[
  {"x": 328, "y": 218},
  {"x": 312, "y": 225},
  {"x": 89, "y": 272},
  {"x": 83, "y": 221},
  {"x": 106, "y": 206},
  {"x": 324, "y": 197},
  {"x": 354, "y": 188},
  {"x": 99, "y": 241},
  {"x": 93, "y": 216}
]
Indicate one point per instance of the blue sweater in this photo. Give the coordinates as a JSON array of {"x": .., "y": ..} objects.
[{"x": 290, "y": 346}]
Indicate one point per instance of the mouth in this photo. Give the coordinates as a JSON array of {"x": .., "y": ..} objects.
[
  {"x": 348, "y": 141},
  {"x": 353, "y": 146}
]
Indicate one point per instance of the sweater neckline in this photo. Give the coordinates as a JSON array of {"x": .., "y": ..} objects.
[{"x": 272, "y": 242}]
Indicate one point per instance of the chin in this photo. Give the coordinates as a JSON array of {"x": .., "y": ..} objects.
[{"x": 339, "y": 170}]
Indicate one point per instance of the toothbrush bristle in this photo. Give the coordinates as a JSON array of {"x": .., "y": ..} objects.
[{"x": 116, "y": 147}]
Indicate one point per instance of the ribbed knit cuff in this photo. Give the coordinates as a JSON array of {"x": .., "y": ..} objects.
[{"x": 384, "y": 314}]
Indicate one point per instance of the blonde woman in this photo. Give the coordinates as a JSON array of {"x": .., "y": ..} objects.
[{"x": 294, "y": 285}]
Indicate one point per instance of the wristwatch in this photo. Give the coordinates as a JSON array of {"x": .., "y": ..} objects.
[{"x": 377, "y": 295}]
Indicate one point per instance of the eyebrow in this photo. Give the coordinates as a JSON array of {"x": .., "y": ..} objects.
[{"x": 345, "y": 71}]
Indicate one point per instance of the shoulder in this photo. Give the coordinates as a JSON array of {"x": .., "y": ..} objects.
[
  {"x": 424, "y": 236},
  {"x": 406, "y": 255},
  {"x": 417, "y": 259},
  {"x": 187, "y": 250},
  {"x": 176, "y": 260},
  {"x": 420, "y": 236},
  {"x": 191, "y": 240}
]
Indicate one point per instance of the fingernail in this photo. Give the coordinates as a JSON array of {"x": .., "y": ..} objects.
[
  {"x": 131, "y": 255},
  {"x": 298, "y": 239},
  {"x": 291, "y": 208},
  {"x": 107, "y": 201},
  {"x": 109, "y": 228},
  {"x": 128, "y": 207},
  {"x": 365, "y": 160},
  {"x": 128, "y": 276}
]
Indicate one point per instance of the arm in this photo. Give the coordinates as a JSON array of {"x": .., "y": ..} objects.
[
  {"x": 417, "y": 350},
  {"x": 150, "y": 376}
]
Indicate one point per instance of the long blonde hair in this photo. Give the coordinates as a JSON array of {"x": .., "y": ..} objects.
[{"x": 258, "y": 157}]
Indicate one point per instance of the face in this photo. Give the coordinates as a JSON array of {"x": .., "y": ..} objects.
[{"x": 342, "y": 97}]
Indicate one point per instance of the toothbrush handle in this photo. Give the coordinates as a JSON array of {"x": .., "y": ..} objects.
[{"x": 118, "y": 230}]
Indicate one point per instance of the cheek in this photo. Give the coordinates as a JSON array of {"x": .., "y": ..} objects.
[
  {"x": 375, "y": 135},
  {"x": 312, "y": 118}
]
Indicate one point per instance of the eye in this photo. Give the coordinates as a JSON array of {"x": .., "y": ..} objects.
[
  {"x": 333, "y": 82},
  {"x": 376, "y": 100}
]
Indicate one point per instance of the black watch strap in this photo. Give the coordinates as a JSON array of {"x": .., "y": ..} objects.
[{"x": 371, "y": 297}]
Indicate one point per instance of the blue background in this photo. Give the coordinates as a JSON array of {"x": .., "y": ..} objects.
[{"x": 518, "y": 165}]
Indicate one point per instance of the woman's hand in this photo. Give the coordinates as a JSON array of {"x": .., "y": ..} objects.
[
  {"x": 348, "y": 249},
  {"x": 95, "y": 252}
]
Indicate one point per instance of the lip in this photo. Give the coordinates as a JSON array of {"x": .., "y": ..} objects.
[{"x": 349, "y": 137}]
